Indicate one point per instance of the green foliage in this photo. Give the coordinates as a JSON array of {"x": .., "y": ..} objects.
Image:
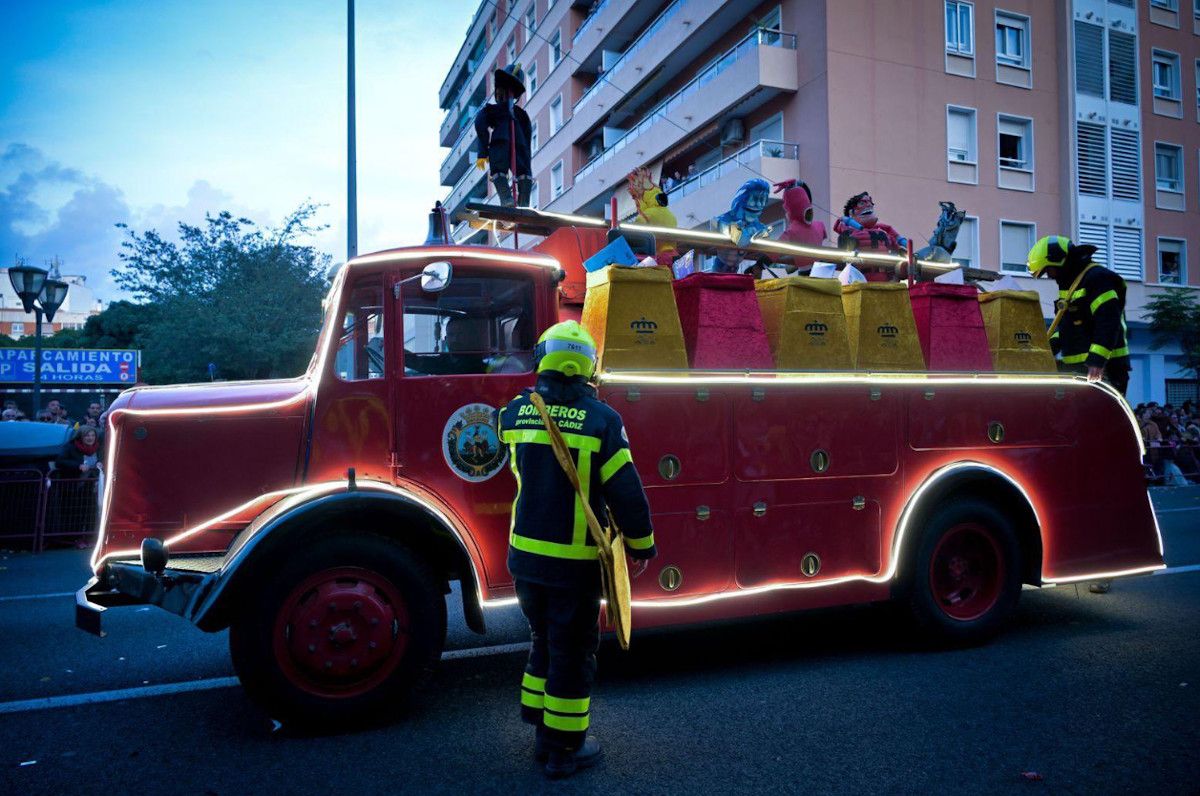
[
  {"x": 244, "y": 298},
  {"x": 1175, "y": 317}
]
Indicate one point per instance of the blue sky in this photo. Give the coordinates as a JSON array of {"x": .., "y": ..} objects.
[{"x": 150, "y": 113}]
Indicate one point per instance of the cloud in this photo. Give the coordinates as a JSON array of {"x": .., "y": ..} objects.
[{"x": 49, "y": 210}]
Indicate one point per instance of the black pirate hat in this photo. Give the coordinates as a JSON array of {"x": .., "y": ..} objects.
[{"x": 512, "y": 77}]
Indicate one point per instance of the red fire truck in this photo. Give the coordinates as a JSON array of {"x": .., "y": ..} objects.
[{"x": 322, "y": 519}]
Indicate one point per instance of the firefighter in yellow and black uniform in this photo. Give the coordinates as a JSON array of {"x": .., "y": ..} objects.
[
  {"x": 552, "y": 557},
  {"x": 1092, "y": 337}
]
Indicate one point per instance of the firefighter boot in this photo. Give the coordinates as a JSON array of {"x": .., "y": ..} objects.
[
  {"x": 564, "y": 763},
  {"x": 524, "y": 186},
  {"x": 503, "y": 190}
]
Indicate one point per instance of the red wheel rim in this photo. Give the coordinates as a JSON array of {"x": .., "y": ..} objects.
[
  {"x": 966, "y": 572},
  {"x": 341, "y": 632}
]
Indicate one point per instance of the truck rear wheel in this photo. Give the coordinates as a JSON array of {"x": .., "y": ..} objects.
[
  {"x": 965, "y": 575},
  {"x": 345, "y": 633}
]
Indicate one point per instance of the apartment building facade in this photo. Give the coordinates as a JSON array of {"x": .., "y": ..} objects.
[{"x": 1079, "y": 117}]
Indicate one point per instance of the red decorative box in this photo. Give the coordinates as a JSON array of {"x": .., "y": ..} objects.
[
  {"x": 950, "y": 326},
  {"x": 722, "y": 324}
]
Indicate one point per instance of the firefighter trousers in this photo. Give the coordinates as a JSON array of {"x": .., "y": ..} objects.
[{"x": 564, "y": 626}]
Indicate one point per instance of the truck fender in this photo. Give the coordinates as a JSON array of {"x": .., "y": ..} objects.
[
  {"x": 970, "y": 478},
  {"x": 390, "y": 512}
]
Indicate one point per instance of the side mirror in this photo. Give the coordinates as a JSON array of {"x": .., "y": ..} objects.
[{"x": 435, "y": 277}]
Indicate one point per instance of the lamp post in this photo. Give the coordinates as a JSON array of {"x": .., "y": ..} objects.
[{"x": 40, "y": 294}]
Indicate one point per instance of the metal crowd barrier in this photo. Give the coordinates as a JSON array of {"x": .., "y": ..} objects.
[{"x": 37, "y": 507}]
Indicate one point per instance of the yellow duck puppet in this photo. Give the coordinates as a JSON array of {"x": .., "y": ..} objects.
[{"x": 651, "y": 201}]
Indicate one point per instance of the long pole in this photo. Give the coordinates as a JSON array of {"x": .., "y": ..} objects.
[
  {"x": 351, "y": 167},
  {"x": 37, "y": 362}
]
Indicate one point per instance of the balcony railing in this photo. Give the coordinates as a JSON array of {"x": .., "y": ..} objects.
[
  {"x": 583, "y": 26},
  {"x": 637, "y": 45},
  {"x": 770, "y": 38},
  {"x": 465, "y": 184},
  {"x": 763, "y": 148}
]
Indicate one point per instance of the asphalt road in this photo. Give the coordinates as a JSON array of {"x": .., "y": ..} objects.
[{"x": 1091, "y": 693}]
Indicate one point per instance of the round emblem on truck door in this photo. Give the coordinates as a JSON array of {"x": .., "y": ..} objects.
[{"x": 470, "y": 443}]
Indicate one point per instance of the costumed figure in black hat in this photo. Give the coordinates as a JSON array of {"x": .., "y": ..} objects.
[{"x": 504, "y": 132}]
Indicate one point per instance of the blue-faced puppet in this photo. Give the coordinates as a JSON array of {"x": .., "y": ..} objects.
[{"x": 742, "y": 222}]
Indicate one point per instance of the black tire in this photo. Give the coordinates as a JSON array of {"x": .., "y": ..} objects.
[
  {"x": 403, "y": 604},
  {"x": 938, "y": 596}
]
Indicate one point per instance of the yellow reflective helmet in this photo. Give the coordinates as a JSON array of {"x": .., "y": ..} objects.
[
  {"x": 568, "y": 349},
  {"x": 1049, "y": 251}
]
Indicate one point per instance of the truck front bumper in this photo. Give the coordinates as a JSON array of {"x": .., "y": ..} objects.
[{"x": 128, "y": 583}]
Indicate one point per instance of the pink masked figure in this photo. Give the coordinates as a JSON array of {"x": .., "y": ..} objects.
[
  {"x": 798, "y": 209},
  {"x": 859, "y": 228}
]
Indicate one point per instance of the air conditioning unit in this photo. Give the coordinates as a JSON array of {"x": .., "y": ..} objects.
[{"x": 733, "y": 132}]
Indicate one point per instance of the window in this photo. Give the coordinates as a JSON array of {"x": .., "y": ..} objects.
[
  {"x": 960, "y": 134},
  {"x": 1172, "y": 261},
  {"x": 556, "y": 180},
  {"x": 530, "y": 21},
  {"x": 535, "y": 194},
  {"x": 1091, "y": 159},
  {"x": 556, "y": 114},
  {"x": 478, "y": 324},
  {"x": 510, "y": 52},
  {"x": 1015, "y": 143},
  {"x": 960, "y": 28},
  {"x": 531, "y": 76},
  {"x": 1168, "y": 168},
  {"x": 1122, "y": 67},
  {"x": 533, "y": 137},
  {"x": 1089, "y": 59},
  {"x": 18, "y": 328},
  {"x": 555, "y": 48},
  {"x": 361, "y": 345},
  {"x": 1166, "y": 5},
  {"x": 967, "y": 244},
  {"x": 1166, "y": 75},
  {"x": 1016, "y": 239},
  {"x": 1012, "y": 40}
]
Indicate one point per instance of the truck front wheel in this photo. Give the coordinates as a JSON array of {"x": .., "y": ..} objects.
[
  {"x": 344, "y": 633},
  {"x": 965, "y": 577}
]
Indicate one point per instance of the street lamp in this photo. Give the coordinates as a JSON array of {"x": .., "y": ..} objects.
[{"x": 39, "y": 294}]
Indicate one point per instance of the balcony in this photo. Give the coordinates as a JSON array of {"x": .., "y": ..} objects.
[
  {"x": 460, "y": 156},
  {"x": 456, "y": 122},
  {"x": 472, "y": 186},
  {"x": 756, "y": 69},
  {"x": 587, "y": 23},
  {"x": 463, "y": 57},
  {"x": 630, "y": 53},
  {"x": 706, "y": 195}
]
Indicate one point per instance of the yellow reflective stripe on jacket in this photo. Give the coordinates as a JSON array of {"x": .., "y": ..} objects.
[
  {"x": 512, "y": 464},
  {"x": 615, "y": 462},
  {"x": 1074, "y": 359},
  {"x": 561, "y": 705},
  {"x": 540, "y": 436},
  {"x": 640, "y": 543},
  {"x": 1080, "y": 293},
  {"x": 580, "y": 552},
  {"x": 584, "y": 467},
  {"x": 1102, "y": 299},
  {"x": 1054, "y": 335},
  {"x": 1107, "y": 353}
]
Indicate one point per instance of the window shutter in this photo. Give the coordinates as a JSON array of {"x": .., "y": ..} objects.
[
  {"x": 1122, "y": 67},
  {"x": 1091, "y": 163},
  {"x": 958, "y": 135},
  {"x": 1126, "y": 165},
  {"x": 1015, "y": 244},
  {"x": 964, "y": 251},
  {"x": 1127, "y": 252},
  {"x": 1095, "y": 235},
  {"x": 1089, "y": 59}
]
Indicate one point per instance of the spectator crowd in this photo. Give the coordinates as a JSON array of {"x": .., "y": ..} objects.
[
  {"x": 87, "y": 432},
  {"x": 1172, "y": 437}
]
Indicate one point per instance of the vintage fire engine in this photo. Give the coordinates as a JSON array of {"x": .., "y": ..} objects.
[{"x": 321, "y": 519}]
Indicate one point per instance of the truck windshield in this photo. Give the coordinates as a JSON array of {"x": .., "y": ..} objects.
[{"x": 479, "y": 324}]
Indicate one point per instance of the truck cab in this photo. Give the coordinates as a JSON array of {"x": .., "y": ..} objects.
[{"x": 322, "y": 519}]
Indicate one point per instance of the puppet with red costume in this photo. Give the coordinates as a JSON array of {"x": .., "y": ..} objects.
[
  {"x": 801, "y": 229},
  {"x": 859, "y": 228}
]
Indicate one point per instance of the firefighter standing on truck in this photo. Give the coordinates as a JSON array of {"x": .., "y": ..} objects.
[
  {"x": 1091, "y": 337},
  {"x": 551, "y": 556}
]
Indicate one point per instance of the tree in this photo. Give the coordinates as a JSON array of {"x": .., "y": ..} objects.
[
  {"x": 229, "y": 293},
  {"x": 1175, "y": 318}
]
